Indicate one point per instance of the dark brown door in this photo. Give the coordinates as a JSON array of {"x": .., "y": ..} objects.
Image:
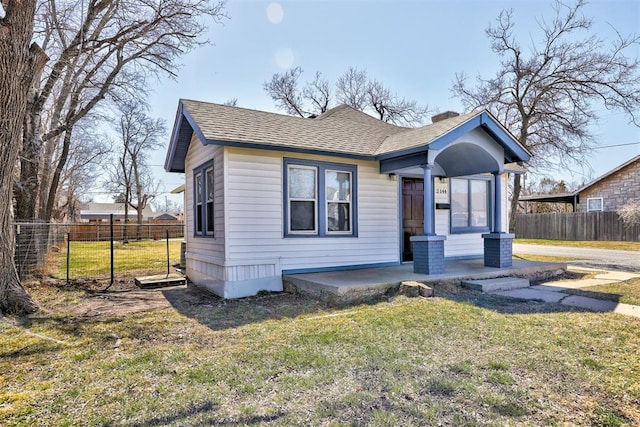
[{"x": 412, "y": 213}]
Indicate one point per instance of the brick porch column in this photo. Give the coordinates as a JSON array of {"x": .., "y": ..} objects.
[
  {"x": 498, "y": 245},
  {"x": 428, "y": 249}
]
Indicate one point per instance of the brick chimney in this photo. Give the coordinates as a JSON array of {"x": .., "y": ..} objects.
[{"x": 443, "y": 116}]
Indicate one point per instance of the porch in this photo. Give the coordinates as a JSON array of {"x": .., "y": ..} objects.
[{"x": 359, "y": 285}]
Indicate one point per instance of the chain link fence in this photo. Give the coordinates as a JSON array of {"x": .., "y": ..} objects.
[{"x": 97, "y": 250}]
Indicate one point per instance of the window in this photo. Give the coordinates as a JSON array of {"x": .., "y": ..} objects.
[
  {"x": 469, "y": 205},
  {"x": 594, "y": 204},
  {"x": 319, "y": 199},
  {"x": 203, "y": 197}
]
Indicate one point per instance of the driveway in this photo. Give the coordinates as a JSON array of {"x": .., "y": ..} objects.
[{"x": 587, "y": 257}]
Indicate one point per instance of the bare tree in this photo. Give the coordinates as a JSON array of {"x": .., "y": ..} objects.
[
  {"x": 353, "y": 88},
  {"x": 545, "y": 94},
  {"x": 139, "y": 136},
  {"x": 89, "y": 152},
  {"x": 97, "y": 47},
  {"x": 284, "y": 90},
  {"x": 21, "y": 62}
]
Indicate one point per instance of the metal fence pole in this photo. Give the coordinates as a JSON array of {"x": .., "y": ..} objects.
[
  {"x": 68, "y": 254},
  {"x": 111, "y": 244},
  {"x": 168, "y": 262}
]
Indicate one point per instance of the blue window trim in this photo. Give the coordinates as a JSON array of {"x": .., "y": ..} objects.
[
  {"x": 203, "y": 196},
  {"x": 468, "y": 230},
  {"x": 321, "y": 208}
]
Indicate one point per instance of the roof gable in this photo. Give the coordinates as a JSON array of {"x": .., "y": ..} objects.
[{"x": 608, "y": 174}]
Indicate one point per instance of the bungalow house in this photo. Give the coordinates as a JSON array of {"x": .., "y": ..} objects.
[
  {"x": 609, "y": 192},
  {"x": 270, "y": 194}
]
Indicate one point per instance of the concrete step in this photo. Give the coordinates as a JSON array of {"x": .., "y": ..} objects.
[
  {"x": 160, "y": 281},
  {"x": 498, "y": 284}
]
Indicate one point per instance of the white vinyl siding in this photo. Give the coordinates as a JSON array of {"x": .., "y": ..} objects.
[
  {"x": 255, "y": 215},
  {"x": 212, "y": 248}
]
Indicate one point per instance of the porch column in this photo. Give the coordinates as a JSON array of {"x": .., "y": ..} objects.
[
  {"x": 428, "y": 201},
  {"x": 497, "y": 198},
  {"x": 428, "y": 249},
  {"x": 498, "y": 245}
]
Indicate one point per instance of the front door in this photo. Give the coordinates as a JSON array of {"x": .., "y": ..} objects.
[{"x": 412, "y": 213}]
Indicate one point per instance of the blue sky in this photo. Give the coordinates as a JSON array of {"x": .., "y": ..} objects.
[{"x": 413, "y": 47}]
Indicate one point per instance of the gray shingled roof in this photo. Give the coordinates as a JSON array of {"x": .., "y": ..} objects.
[
  {"x": 341, "y": 129},
  {"x": 423, "y": 135}
]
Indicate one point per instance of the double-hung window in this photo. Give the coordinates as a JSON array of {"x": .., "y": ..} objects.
[
  {"x": 470, "y": 205},
  {"x": 320, "y": 199},
  {"x": 203, "y": 196}
]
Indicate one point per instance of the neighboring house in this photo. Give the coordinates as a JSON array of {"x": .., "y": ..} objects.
[
  {"x": 269, "y": 194},
  {"x": 609, "y": 192},
  {"x": 101, "y": 212},
  {"x": 168, "y": 216}
]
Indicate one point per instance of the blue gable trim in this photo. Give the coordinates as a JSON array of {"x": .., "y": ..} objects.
[
  {"x": 392, "y": 164},
  {"x": 512, "y": 148},
  {"x": 414, "y": 156},
  {"x": 184, "y": 127}
]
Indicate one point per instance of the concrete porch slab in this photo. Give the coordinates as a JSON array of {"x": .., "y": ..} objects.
[{"x": 352, "y": 286}]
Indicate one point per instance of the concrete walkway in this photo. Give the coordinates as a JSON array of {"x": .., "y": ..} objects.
[{"x": 554, "y": 292}]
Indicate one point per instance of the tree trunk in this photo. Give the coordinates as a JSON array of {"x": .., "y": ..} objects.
[
  {"x": 55, "y": 180},
  {"x": 28, "y": 244},
  {"x": 20, "y": 64},
  {"x": 514, "y": 203}
]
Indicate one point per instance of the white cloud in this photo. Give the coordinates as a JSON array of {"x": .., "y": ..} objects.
[{"x": 275, "y": 13}]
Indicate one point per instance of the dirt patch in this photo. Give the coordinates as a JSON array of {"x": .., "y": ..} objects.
[{"x": 95, "y": 298}]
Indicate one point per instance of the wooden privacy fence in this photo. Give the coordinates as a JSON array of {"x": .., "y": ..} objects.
[
  {"x": 575, "y": 226},
  {"x": 101, "y": 231}
]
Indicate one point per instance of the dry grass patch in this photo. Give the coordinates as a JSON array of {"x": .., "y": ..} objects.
[
  {"x": 461, "y": 358},
  {"x": 627, "y": 292}
]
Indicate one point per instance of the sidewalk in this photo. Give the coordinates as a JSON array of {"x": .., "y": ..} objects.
[{"x": 553, "y": 292}]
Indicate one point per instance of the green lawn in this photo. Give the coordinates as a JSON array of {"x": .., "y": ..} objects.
[
  {"x": 625, "y": 246},
  {"x": 91, "y": 259},
  {"x": 462, "y": 358}
]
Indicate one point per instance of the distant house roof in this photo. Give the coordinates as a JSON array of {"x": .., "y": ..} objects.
[
  {"x": 103, "y": 210},
  {"x": 569, "y": 197},
  {"x": 340, "y": 131},
  {"x": 167, "y": 216},
  {"x": 179, "y": 189}
]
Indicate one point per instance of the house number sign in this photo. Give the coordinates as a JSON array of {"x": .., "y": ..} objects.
[{"x": 441, "y": 189}]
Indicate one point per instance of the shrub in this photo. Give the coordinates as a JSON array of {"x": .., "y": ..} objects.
[{"x": 630, "y": 213}]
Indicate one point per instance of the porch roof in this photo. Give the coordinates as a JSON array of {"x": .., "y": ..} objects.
[{"x": 341, "y": 131}]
